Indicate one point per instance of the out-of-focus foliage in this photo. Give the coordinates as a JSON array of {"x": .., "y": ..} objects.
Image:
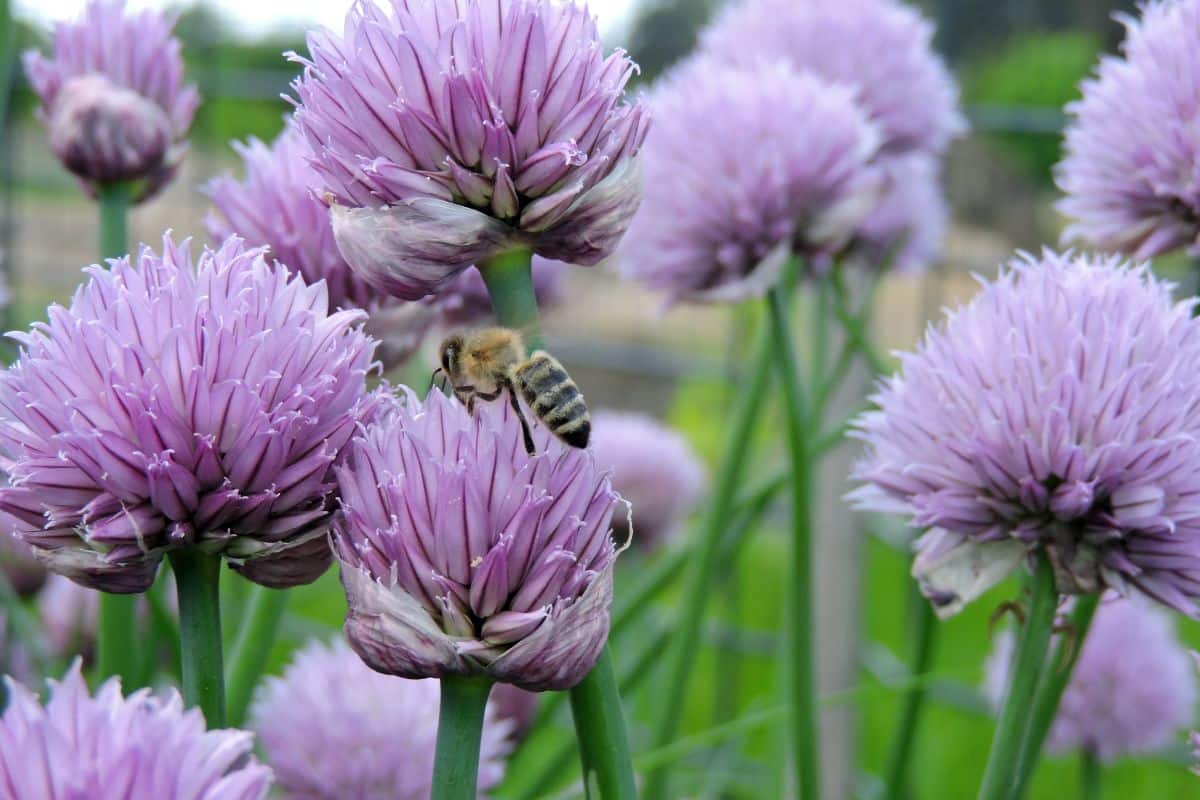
[
  {"x": 664, "y": 31},
  {"x": 969, "y": 27},
  {"x": 1035, "y": 76}
]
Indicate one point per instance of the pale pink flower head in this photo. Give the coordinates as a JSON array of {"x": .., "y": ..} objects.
[
  {"x": 1131, "y": 692},
  {"x": 366, "y": 735},
  {"x": 178, "y": 403},
  {"x": 462, "y": 554},
  {"x": 448, "y": 131},
  {"x": 113, "y": 99},
  {"x": 109, "y": 747}
]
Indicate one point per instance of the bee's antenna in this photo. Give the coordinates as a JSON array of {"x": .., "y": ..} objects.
[{"x": 433, "y": 379}]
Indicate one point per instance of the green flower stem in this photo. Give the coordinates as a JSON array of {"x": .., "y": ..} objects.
[
  {"x": 460, "y": 728},
  {"x": 925, "y": 628},
  {"x": 600, "y": 729},
  {"x": 596, "y": 700},
  {"x": 1090, "y": 773},
  {"x": 855, "y": 325},
  {"x": 1053, "y": 684},
  {"x": 801, "y": 686},
  {"x": 705, "y": 558},
  {"x": 1000, "y": 777},
  {"x": 509, "y": 280},
  {"x": 197, "y": 581},
  {"x": 255, "y": 638},
  {"x": 117, "y": 641}
]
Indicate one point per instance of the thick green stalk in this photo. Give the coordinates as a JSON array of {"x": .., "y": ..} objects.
[
  {"x": 1090, "y": 773},
  {"x": 601, "y": 732},
  {"x": 117, "y": 641},
  {"x": 600, "y": 729},
  {"x": 1000, "y": 777},
  {"x": 197, "y": 582},
  {"x": 924, "y": 635},
  {"x": 801, "y": 682},
  {"x": 509, "y": 280},
  {"x": 682, "y": 657},
  {"x": 460, "y": 729},
  {"x": 255, "y": 638},
  {"x": 1053, "y": 684}
]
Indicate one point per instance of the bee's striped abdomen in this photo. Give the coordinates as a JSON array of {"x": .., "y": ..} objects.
[{"x": 554, "y": 398}]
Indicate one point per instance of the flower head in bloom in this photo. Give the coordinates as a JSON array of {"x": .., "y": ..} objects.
[
  {"x": 1055, "y": 413},
  {"x": 654, "y": 468},
  {"x": 368, "y": 736},
  {"x": 1131, "y": 169},
  {"x": 461, "y": 554},
  {"x": 1131, "y": 692},
  {"x": 882, "y": 48},
  {"x": 182, "y": 403},
  {"x": 743, "y": 166},
  {"x": 110, "y": 747},
  {"x": 113, "y": 99},
  {"x": 906, "y": 228},
  {"x": 447, "y": 131}
]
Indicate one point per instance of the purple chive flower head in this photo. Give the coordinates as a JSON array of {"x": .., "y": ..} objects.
[
  {"x": 461, "y": 554},
  {"x": 113, "y": 100},
  {"x": 110, "y": 747},
  {"x": 743, "y": 167},
  {"x": 1131, "y": 169},
  {"x": 881, "y": 48},
  {"x": 1056, "y": 412},
  {"x": 369, "y": 736},
  {"x": 906, "y": 228},
  {"x": 1132, "y": 690},
  {"x": 654, "y": 468},
  {"x": 447, "y": 131},
  {"x": 182, "y": 403}
]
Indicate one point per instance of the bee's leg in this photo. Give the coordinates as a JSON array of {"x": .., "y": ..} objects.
[{"x": 516, "y": 407}]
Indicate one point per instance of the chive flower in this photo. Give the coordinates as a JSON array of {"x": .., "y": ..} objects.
[
  {"x": 370, "y": 736},
  {"x": 448, "y": 131},
  {"x": 1054, "y": 414},
  {"x": 1130, "y": 173},
  {"x": 745, "y": 166},
  {"x": 180, "y": 403},
  {"x": 463, "y": 555},
  {"x": 1133, "y": 688},
  {"x": 109, "y": 747},
  {"x": 113, "y": 101}
]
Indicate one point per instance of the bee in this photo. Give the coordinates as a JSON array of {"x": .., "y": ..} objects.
[{"x": 484, "y": 364}]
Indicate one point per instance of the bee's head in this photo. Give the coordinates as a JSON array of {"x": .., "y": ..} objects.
[{"x": 451, "y": 348}]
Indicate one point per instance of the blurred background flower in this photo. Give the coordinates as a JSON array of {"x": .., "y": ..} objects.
[
  {"x": 1131, "y": 169},
  {"x": 333, "y": 728},
  {"x": 180, "y": 403},
  {"x": 443, "y": 139},
  {"x": 1052, "y": 413},
  {"x": 745, "y": 166},
  {"x": 654, "y": 469},
  {"x": 109, "y": 746},
  {"x": 113, "y": 99},
  {"x": 461, "y": 554},
  {"x": 1133, "y": 688}
]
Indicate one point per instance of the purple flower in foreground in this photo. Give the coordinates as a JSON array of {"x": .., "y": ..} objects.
[
  {"x": 1131, "y": 169},
  {"x": 182, "y": 404},
  {"x": 450, "y": 130},
  {"x": 654, "y": 468},
  {"x": 881, "y": 48},
  {"x": 743, "y": 167},
  {"x": 909, "y": 223},
  {"x": 1056, "y": 412},
  {"x": 110, "y": 747},
  {"x": 1132, "y": 690},
  {"x": 461, "y": 554},
  {"x": 366, "y": 736},
  {"x": 113, "y": 100}
]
